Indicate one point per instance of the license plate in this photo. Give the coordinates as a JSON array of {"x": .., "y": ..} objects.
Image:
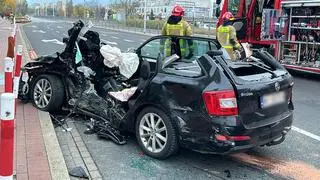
[{"x": 273, "y": 99}]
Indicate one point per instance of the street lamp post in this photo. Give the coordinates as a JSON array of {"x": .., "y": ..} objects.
[{"x": 145, "y": 17}]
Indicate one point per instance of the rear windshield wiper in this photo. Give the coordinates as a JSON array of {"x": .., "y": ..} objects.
[{"x": 259, "y": 62}]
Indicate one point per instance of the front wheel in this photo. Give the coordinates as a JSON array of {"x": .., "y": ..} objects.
[
  {"x": 156, "y": 134},
  {"x": 47, "y": 93}
]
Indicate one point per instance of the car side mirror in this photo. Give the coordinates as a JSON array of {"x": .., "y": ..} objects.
[
  {"x": 138, "y": 52},
  {"x": 65, "y": 40}
]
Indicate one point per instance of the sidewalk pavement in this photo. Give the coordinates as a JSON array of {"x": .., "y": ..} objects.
[
  {"x": 37, "y": 151},
  {"x": 74, "y": 151}
]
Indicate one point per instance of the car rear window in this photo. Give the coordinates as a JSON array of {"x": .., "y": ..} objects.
[{"x": 184, "y": 68}]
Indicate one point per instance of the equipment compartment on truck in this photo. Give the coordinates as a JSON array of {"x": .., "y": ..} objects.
[{"x": 300, "y": 49}]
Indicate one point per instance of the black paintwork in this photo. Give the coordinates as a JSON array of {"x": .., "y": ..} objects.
[{"x": 181, "y": 98}]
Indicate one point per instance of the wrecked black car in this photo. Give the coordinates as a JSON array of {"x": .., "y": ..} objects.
[{"x": 195, "y": 98}]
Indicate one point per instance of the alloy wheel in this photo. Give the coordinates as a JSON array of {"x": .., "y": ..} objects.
[
  {"x": 153, "y": 132},
  {"x": 42, "y": 93}
]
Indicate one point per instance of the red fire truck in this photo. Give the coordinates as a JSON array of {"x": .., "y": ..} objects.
[
  {"x": 249, "y": 21},
  {"x": 288, "y": 29}
]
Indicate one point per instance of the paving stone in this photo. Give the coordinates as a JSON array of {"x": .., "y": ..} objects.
[
  {"x": 85, "y": 154},
  {"x": 82, "y": 149},
  {"x": 75, "y": 155},
  {"x": 88, "y": 160},
  {"x": 95, "y": 174},
  {"x": 77, "y": 139}
]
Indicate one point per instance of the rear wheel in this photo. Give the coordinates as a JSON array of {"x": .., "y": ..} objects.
[
  {"x": 156, "y": 134},
  {"x": 47, "y": 93}
]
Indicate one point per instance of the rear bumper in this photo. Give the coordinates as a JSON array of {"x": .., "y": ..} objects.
[{"x": 271, "y": 134}]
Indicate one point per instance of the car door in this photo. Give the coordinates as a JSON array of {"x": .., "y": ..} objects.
[
  {"x": 151, "y": 49},
  {"x": 183, "y": 80}
]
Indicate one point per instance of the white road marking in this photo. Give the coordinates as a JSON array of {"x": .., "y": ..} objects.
[
  {"x": 39, "y": 31},
  {"x": 55, "y": 41},
  {"x": 59, "y": 27},
  {"x": 109, "y": 42},
  {"x": 114, "y": 37},
  {"x": 108, "y": 32},
  {"x": 306, "y": 133},
  {"x": 127, "y": 40},
  {"x": 58, "y": 32}
]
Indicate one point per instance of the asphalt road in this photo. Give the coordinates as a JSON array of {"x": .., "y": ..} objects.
[{"x": 296, "y": 158}]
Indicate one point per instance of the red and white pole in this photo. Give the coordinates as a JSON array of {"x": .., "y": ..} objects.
[
  {"x": 7, "y": 136},
  {"x": 17, "y": 71},
  {"x": 8, "y": 74}
]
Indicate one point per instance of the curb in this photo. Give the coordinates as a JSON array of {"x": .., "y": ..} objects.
[
  {"x": 32, "y": 54},
  {"x": 57, "y": 165},
  {"x": 55, "y": 153}
]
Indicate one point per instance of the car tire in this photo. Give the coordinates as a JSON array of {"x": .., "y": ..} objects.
[
  {"x": 159, "y": 140},
  {"x": 52, "y": 99}
]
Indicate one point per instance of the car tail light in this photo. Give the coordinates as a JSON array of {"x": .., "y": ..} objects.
[
  {"x": 239, "y": 138},
  {"x": 221, "y": 103},
  {"x": 232, "y": 138}
]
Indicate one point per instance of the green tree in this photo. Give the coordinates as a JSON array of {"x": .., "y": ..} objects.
[
  {"x": 8, "y": 5},
  {"x": 129, "y": 6},
  {"x": 69, "y": 8}
]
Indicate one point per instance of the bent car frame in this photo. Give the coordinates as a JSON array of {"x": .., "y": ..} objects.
[{"x": 200, "y": 100}]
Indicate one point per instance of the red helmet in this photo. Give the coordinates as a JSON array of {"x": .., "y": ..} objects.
[
  {"x": 227, "y": 16},
  {"x": 177, "y": 11}
]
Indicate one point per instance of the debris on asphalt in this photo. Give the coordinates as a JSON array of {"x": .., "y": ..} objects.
[
  {"x": 228, "y": 173},
  {"x": 78, "y": 172}
]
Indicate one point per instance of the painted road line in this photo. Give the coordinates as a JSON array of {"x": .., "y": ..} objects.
[
  {"x": 39, "y": 31},
  {"x": 127, "y": 40},
  {"x": 55, "y": 41},
  {"x": 109, "y": 42},
  {"x": 58, "y": 32},
  {"x": 306, "y": 133},
  {"x": 108, "y": 32},
  {"x": 114, "y": 37}
]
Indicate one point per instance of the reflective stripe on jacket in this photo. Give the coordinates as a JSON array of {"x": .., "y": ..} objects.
[{"x": 182, "y": 28}]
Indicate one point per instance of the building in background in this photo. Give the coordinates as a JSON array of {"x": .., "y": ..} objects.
[{"x": 195, "y": 9}]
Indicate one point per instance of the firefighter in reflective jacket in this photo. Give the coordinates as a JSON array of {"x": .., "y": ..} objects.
[
  {"x": 177, "y": 26},
  {"x": 227, "y": 35}
]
